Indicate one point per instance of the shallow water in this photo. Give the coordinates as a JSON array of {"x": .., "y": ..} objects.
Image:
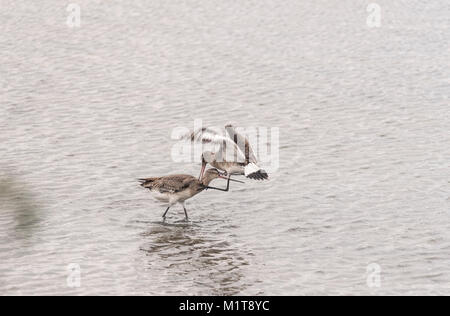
[{"x": 363, "y": 116}]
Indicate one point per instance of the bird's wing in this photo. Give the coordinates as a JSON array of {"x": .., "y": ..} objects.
[
  {"x": 200, "y": 135},
  {"x": 173, "y": 183},
  {"x": 226, "y": 148},
  {"x": 243, "y": 143}
]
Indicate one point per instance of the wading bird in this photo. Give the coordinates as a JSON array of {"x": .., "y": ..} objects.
[
  {"x": 178, "y": 188},
  {"x": 235, "y": 155}
]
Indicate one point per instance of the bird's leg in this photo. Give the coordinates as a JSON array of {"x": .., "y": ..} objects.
[
  {"x": 164, "y": 215},
  {"x": 224, "y": 190},
  {"x": 228, "y": 184}
]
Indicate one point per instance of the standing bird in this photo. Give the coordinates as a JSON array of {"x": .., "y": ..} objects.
[
  {"x": 178, "y": 188},
  {"x": 235, "y": 155}
]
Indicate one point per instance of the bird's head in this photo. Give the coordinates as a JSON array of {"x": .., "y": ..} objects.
[
  {"x": 210, "y": 175},
  {"x": 207, "y": 157},
  {"x": 229, "y": 126}
]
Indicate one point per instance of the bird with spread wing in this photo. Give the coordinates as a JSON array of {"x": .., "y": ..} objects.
[{"x": 235, "y": 155}]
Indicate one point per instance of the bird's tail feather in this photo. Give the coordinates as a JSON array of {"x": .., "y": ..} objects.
[{"x": 147, "y": 183}]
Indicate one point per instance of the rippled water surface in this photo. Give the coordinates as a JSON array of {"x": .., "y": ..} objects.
[{"x": 363, "y": 115}]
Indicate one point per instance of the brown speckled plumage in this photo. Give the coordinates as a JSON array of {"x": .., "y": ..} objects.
[{"x": 177, "y": 188}]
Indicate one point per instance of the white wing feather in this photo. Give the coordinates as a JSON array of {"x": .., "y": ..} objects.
[
  {"x": 243, "y": 143},
  {"x": 228, "y": 150}
]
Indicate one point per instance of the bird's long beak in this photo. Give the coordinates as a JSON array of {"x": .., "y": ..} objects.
[
  {"x": 226, "y": 178},
  {"x": 202, "y": 171}
]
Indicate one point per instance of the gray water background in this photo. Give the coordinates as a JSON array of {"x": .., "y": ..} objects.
[{"x": 364, "y": 120}]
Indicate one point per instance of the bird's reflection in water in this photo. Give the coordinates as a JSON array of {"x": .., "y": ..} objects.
[{"x": 197, "y": 257}]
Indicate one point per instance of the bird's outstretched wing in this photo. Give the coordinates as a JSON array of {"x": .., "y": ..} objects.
[
  {"x": 243, "y": 144},
  {"x": 171, "y": 184},
  {"x": 226, "y": 148},
  {"x": 204, "y": 135}
]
